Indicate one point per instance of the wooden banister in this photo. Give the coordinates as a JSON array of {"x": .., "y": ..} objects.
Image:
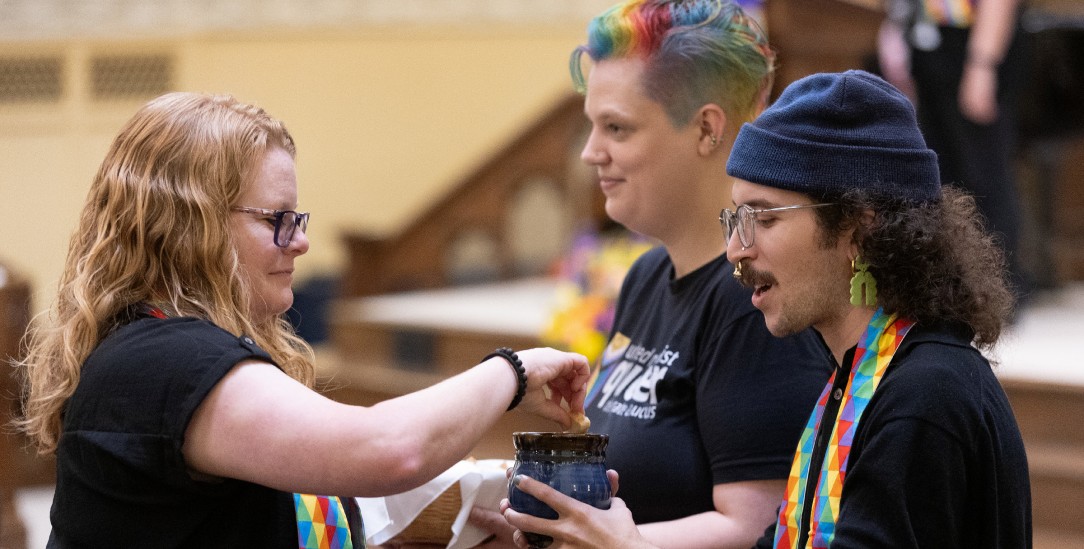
[{"x": 481, "y": 206}]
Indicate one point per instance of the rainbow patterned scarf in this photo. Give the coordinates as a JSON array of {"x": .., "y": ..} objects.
[
  {"x": 875, "y": 351},
  {"x": 321, "y": 523}
]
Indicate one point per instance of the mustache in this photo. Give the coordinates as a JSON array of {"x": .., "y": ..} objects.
[{"x": 752, "y": 278}]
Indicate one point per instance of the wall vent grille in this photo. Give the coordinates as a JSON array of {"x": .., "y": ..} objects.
[
  {"x": 115, "y": 77},
  {"x": 31, "y": 79}
]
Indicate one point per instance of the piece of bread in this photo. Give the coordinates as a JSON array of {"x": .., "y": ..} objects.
[{"x": 580, "y": 424}]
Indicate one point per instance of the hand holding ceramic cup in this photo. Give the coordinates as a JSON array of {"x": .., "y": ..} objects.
[{"x": 571, "y": 463}]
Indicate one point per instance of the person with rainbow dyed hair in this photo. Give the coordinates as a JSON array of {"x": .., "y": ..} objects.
[{"x": 703, "y": 407}]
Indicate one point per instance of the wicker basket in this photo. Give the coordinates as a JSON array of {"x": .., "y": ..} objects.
[{"x": 434, "y": 524}]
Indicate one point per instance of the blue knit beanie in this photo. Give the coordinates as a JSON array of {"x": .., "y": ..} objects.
[{"x": 832, "y": 132}]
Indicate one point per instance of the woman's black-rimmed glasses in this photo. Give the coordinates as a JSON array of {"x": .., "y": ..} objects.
[{"x": 286, "y": 222}]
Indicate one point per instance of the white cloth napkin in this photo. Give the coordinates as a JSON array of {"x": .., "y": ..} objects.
[{"x": 482, "y": 483}]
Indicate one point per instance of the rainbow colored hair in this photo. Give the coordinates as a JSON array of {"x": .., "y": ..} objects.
[{"x": 696, "y": 52}]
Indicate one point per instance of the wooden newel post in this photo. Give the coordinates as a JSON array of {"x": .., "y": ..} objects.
[{"x": 14, "y": 318}]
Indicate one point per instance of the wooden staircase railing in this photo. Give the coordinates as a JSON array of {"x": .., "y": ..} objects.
[
  {"x": 491, "y": 211},
  {"x": 19, "y": 466}
]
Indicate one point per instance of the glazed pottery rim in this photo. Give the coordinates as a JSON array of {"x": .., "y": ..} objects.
[
  {"x": 552, "y": 441},
  {"x": 559, "y": 435}
]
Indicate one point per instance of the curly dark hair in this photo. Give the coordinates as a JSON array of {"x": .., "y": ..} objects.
[{"x": 934, "y": 262}]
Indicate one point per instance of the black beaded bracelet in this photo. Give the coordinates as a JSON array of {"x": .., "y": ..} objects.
[{"x": 517, "y": 366}]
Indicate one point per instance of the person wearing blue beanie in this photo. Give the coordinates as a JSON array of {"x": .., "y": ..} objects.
[
  {"x": 826, "y": 134},
  {"x": 841, "y": 223}
]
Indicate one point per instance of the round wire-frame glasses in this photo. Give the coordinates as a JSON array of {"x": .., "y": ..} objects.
[
  {"x": 744, "y": 218},
  {"x": 286, "y": 222}
]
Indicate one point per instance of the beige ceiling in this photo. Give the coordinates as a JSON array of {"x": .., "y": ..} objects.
[{"x": 66, "y": 19}]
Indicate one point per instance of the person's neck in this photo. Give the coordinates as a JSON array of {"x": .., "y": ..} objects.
[
  {"x": 699, "y": 239},
  {"x": 694, "y": 249},
  {"x": 844, "y": 332}
]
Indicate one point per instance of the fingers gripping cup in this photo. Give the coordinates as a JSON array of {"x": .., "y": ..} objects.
[{"x": 573, "y": 464}]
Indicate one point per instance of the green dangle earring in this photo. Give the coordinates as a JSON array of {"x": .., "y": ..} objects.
[{"x": 862, "y": 284}]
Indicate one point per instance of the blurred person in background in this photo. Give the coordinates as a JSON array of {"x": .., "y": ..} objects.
[{"x": 963, "y": 63}]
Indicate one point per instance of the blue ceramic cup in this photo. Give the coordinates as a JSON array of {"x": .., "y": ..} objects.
[{"x": 573, "y": 464}]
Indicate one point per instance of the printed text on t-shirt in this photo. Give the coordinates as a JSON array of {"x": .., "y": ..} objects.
[{"x": 632, "y": 382}]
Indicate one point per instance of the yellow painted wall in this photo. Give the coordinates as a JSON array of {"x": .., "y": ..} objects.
[{"x": 386, "y": 120}]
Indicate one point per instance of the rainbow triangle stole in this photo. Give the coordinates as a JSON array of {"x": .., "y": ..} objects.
[
  {"x": 875, "y": 351},
  {"x": 321, "y": 523}
]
